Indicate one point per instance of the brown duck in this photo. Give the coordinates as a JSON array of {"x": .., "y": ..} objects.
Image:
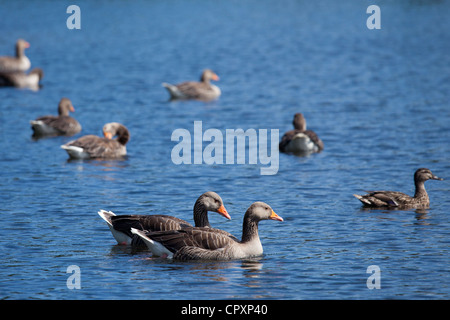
[
  {"x": 394, "y": 199},
  {"x": 300, "y": 140},
  {"x": 94, "y": 147},
  {"x": 63, "y": 124},
  {"x": 202, "y": 90}
]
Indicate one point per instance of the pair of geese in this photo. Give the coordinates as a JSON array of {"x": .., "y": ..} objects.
[
  {"x": 13, "y": 69},
  {"x": 88, "y": 146},
  {"x": 173, "y": 238}
]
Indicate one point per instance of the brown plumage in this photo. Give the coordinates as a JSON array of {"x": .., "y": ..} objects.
[
  {"x": 191, "y": 243},
  {"x": 20, "y": 79},
  {"x": 19, "y": 63},
  {"x": 399, "y": 200},
  {"x": 63, "y": 124},
  {"x": 202, "y": 90},
  {"x": 121, "y": 225},
  {"x": 300, "y": 140},
  {"x": 94, "y": 147}
]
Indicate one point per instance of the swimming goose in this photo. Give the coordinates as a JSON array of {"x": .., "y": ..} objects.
[
  {"x": 202, "y": 90},
  {"x": 94, "y": 147},
  {"x": 63, "y": 124},
  {"x": 19, "y": 63},
  {"x": 120, "y": 225},
  {"x": 22, "y": 80},
  {"x": 394, "y": 199},
  {"x": 193, "y": 243},
  {"x": 299, "y": 140}
]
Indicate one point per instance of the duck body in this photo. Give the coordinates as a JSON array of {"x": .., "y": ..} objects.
[
  {"x": 62, "y": 124},
  {"x": 18, "y": 63},
  {"x": 202, "y": 90},
  {"x": 192, "y": 243},
  {"x": 299, "y": 140},
  {"x": 94, "y": 147},
  {"x": 400, "y": 200},
  {"x": 121, "y": 225}
]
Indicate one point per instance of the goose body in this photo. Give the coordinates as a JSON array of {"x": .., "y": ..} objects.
[
  {"x": 94, "y": 147},
  {"x": 192, "y": 243},
  {"x": 299, "y": 140},
  {"x": 62, "y": 124},
  {"x": 202, "y": 90},
  {"x": 22, "y": 80},
  {"x": 121, "y": 225},
  {"x": 400, "y": 200},
  {"x": 18, "y": 63}
]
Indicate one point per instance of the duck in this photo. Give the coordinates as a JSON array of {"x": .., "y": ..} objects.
[
  {"x": 19, "y": 63},
  {"x": 399, "y": 200},
  {"x": 63, "y": 124},
  {"x": 20, "y": 79},
  {"x": 202, "y": 90},
  {"x": 120, "y": 225},
  {"x": 94, "y": 147},
  {"x": 193, "y": 243},
  {"x": 300, "y": 140}
]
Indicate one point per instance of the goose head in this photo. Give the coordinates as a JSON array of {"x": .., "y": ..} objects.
[
  {"x": 21, "y": 45},
  {"x": 65, "y": 106},
  {"x": 208, "y": 75},
  {"x": 116, "y": 129},
  {"x": 213, "y": 202},
  {"x": 261, "y": 211}
]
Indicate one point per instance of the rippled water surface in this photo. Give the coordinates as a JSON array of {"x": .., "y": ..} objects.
[{"x": 379, "y": 99}]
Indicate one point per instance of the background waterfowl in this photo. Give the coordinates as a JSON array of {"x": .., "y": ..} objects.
[
  {"x": 120, "y": 225},
  {"x": 94, "y": 147},
  {"x": 20, "y": 79},
  {"x": 202, "y": 90},
  {"x": 300, "y": 140},
  {"x": 394, "y": 199},
  {"x": 207, "y": 244},
  {"x": 19, "y": 63},
  {"x": 63, "y": 124}
]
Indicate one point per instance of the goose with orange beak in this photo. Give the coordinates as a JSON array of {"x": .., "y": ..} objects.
[
  {"x": 94, "y": 147},
  {"x": 191, "y": 243}
]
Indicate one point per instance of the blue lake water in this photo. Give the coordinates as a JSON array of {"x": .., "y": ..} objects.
[{"x": 379, "y": 99}]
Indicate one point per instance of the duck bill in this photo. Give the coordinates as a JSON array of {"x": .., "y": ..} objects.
[
  {"x": 215, "y": 77},
  {"x": 276, "y": 217},
  {"x": 224, "y": 212},
  {"x": 436, "y": 178}
]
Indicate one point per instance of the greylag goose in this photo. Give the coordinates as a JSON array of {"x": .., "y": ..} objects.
[
  {"x": 19, "y": 63},
  {"x": 395, "y": 199},
  {"x": 94, "y": 147},
  {"x": 202, "y": 90},
  {"x": 299, "y": 140},
  {"x": 193, "y": 243},
  {"x": 120, "y": 225},
  {"x": 20, "y": 79},
  {"x": 63, "y": 124}
]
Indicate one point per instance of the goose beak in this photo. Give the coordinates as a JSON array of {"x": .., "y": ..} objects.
[
  {"x": 72, "y": 109},
  {"x": 224, "y": 212},
  {"x": 276, "y": 217},
  {"x": 215, "y": 77},
  {"x": 107, "y": 135}
]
